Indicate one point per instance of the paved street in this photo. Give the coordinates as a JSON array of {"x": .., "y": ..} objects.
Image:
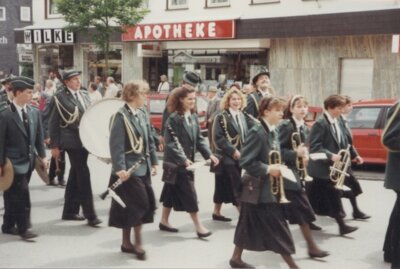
[{"x": 75, "y": 245}]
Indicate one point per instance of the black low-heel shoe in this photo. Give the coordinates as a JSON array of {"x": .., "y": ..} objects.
[
  {"x": 320, "y": 254},
  {"x": 235, "y": 264},
  {"x": 140, "y": 255},
  {"x": 204, "y": 235},
  {"x": 167, "y": 229}
]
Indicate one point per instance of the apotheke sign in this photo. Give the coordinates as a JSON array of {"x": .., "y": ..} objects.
[
  {"x": 181, "y": 31},
  {"x": 48, "y": 36}
]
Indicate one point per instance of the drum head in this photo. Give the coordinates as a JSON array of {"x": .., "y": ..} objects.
[{"x": 94, "y": 128}]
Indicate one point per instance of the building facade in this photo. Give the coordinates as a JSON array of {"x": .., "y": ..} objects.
[
  {"x": 13, "y": 14},
  {"x": 314, "y": 48}
]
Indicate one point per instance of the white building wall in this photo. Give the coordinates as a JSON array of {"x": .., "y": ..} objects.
[{"x": 242, "y": 9}]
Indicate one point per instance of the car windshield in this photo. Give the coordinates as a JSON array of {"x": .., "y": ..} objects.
[{"x": 363, "y": 117}]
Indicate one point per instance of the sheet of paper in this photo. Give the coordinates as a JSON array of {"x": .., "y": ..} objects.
[
  {"x": 318, "y": 156},
  {"x": 287, "y": 173}
]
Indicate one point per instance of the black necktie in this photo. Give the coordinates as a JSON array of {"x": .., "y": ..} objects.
[
  {"x": 25, "y": 121},
  {"x": 189, "y": 120},
  {"x": 79, "y": 102}
]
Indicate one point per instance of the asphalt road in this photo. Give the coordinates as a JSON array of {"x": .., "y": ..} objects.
[{"x": 66, "y": 244}]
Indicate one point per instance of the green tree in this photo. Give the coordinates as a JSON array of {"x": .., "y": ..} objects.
[{"x": 102, "y": 17}]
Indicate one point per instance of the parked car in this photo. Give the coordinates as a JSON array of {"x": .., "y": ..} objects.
[
  {"x": 367, "y": 121},
  {"x": 156, "y": 104},
  {"x": 313, "y": 114}
]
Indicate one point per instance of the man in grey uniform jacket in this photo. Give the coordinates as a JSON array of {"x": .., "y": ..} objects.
[
  {"x": 21, "y": 137},
  {"x": 67, "y": 108}
]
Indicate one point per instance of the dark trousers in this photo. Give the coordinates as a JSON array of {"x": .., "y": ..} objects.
[
  {"x": 391, "y": 247},
  {"x": 78, "y": 191},
  {"x": 17, "y": 204},
  {"x": 61, "y": 165}
]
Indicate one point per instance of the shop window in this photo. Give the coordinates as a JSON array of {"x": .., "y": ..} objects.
[
  {"x": 177, "y": 4},
  {"x": 217, "y": 3},
  {"x": 52, "y": 10},
  {"x": 25, "y": 14},
  {"x": 53, "y": 58},
  {"x": 2, "y": 13},
  {"x": 94, "y": 62},
  {"x": 255, "y": 2}
]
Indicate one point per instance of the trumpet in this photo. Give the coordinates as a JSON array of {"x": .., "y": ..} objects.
[
  {"x": 277, "y": 187},
  {"x": 296, "y": 142},
  {"x": 339, "y": 168}
]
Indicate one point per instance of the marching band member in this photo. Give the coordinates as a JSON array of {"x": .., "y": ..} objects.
[
  {"x": 130, "y": 143},
  {"x": 390, "y": 139},
  {"x": 182, "y": 140},
  {"x": 229, "y": 131},
  {"x": 327, "y": 139},
  {"x": 295, "y": 156},
  {"x": 351, "y": 181},
  {"x": 67, "y": 107},
  {"x": 261, "y": 83},
  {"x": 262, "y": 225},
  {"x": 21, "y": 135}
]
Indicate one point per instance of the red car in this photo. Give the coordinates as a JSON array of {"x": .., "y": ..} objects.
[
  {"x": 313, "y": 114},
  {"x": 367, "y": 121},
  {"x": 156, "y": 105}
]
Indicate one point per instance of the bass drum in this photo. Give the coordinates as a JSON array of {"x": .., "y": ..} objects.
[{"x": 94, "y": 128}]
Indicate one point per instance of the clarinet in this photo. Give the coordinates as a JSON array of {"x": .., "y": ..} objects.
[{"x": 119, "y": 181}]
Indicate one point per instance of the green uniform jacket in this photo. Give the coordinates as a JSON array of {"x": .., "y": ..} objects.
[
  {"x": 120, "y": 147},
  {"x": 16, "y": 144},
  {"x": 391, "y": 140}
]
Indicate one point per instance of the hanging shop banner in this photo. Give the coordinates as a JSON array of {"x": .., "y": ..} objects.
[{"x": 181, "y": 31}]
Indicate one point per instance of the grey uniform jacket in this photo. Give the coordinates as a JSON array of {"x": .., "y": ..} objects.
[
  {"x": 253, "y": 101},
  {"x": 347, "y": 132},
  {"x": 254, "y": 157},
  {"x": 322, "y": 139},
  {"x": 122, "y": 156},
  {"x": 16, "y": 144},
  {"x": 289, "y": 156},
  {"x": 391, "y": 140},
  {"x": 223, "y": 146},
  {"x": 189, "y": 137},
  {"x": 65, "y": 137}
]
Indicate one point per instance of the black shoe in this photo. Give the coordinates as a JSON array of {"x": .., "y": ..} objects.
[
  {"x": 12, "y": 231},
  {"x": 347, "y": 229},
  {"x": 140, "y": 255},
  {"x": 319, "y": 254},
  {"x": 94, "y": 222},
  {"x": 52, "y": 183},
  {"x": 73, "y": 217},
  {"x": 167, "y": 229},
  {"x": 28, "y": 235},
  {"x": 204, "y": 235},
  {"x": 61, "y": 182},
  {"x": 220, "y": 218},
  {"x": 235, "y": 264},
  {"x": 360, "y": 215},
  {"x": 314, "y": 227}
]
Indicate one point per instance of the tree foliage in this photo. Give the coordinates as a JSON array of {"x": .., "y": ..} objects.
[{"x": 102, "y": 17}]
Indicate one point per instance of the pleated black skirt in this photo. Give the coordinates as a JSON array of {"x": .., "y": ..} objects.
[
  {"x": 138, "y": 195},
  {"x": 227, "y": 185},
  {"x": 353, "y": 184},
  {"x": 263, "y": 227},
  {"x": 391, "y": 246},
  {"x": 299, "y": 210},
  {"x": 182, "y": 195},
  {"x": 325, "y": 199}
]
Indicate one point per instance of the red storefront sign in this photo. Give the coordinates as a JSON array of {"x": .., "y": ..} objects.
[{"x": 181, "y": 31}]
